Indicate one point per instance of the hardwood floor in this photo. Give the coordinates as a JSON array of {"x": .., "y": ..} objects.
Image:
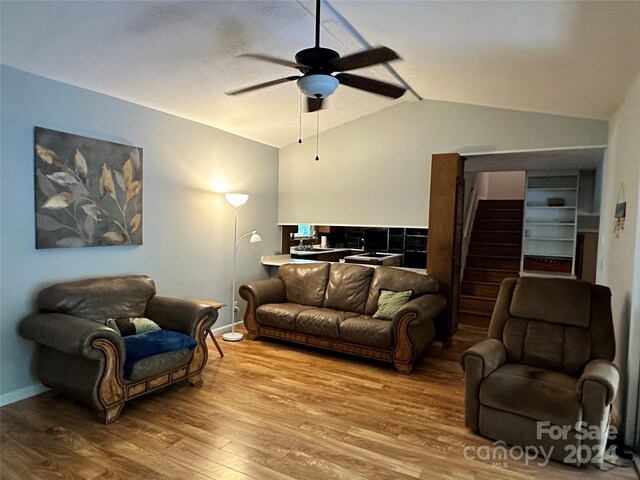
[{"x": 271, "y": 410}]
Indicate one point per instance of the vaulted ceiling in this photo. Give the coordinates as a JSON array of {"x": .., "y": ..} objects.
[{"x": 572, "y": 58}]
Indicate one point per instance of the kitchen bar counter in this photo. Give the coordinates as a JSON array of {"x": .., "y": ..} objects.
[{"x": 279, "y": 260}]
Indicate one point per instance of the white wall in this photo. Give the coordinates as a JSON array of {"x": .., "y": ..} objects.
[
  {"x": 188, "y": 231},
  {"x": 505, "y": 185},
  {"x": 376, "y": 169},
  {"x": 619, "y": 257}
]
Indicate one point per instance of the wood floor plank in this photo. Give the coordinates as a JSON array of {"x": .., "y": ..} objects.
[{"x": 269, "y": 410}]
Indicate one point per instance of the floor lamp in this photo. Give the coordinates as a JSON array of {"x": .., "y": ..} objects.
[{"x": 237, "y": 199}]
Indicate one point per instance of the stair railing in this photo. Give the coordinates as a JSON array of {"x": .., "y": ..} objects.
[{"x": 469, "y": 217}]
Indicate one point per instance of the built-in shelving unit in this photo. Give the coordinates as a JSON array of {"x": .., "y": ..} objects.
[{"x": 550, "y": 218}]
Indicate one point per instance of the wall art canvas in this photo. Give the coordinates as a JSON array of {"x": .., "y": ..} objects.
[{"x": 88, "y": 191}]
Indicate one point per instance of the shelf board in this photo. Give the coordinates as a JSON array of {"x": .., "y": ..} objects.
[
  {"x": 557, "y": 224},
  {"x": 550, "y": 239},
  {"x": 547, "y": 207},
  {"x": 543, "y": 273},
  {"x": 553, "y": 189},
  {"x": 548, "y": 255}
]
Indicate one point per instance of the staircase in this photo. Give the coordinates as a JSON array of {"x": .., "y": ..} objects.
[{"x": 494, "y": 254}]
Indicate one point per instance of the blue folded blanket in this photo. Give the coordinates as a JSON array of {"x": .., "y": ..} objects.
[{"x": 148, "y": 344}]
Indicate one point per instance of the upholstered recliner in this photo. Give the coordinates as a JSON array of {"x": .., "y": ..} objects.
[
  {"x": 79, "y": 356},
  {"x": 546, "y": 365}
]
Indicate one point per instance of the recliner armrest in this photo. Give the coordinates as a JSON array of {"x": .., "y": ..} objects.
[
  {"x": 179, "y": 314},
  {"x": 491, "y": 352},
  {"x": 69, "y": 334},
  {"x": 602, "y": 372},
  {"x": 264, "y": 291}
]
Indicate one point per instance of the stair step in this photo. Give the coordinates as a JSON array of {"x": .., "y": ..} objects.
[
  {"x": 497, "y": 204},
  {"x": 494, "y": 225},
  {"x": 500, "y": 249},
  {"x": 471, "y": 303},
  {"x": 481, "y": 289},
  {"x": 473, "y": 318},
  {"x": 496, "y": 237},
  {"x": 488, "y": 274},
  {"x": 499, "y": 214},
  {"x": 497, "y": 262}
]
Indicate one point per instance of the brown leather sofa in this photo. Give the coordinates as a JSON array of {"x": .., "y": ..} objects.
[
  {"x": 79, "y": 356},
  {"x": 330, "y": 305},
  {"x": 546, "y": 365}
]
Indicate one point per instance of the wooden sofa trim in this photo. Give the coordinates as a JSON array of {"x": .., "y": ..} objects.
[{"x": 326, "y": 343}]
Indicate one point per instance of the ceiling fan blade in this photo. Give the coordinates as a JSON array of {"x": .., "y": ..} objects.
[
  {"x": 314, "y": 104},
  {"x": 263, "y": 85},
  {"x": 270, "y": 59},
  {"x": 365, "y": 58},
  {"x": 370, "y": 85}
]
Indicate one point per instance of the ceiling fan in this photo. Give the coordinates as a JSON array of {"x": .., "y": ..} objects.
[{"x": 317, "y": 65}]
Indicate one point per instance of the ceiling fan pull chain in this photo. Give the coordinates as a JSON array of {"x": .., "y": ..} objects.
[
  {"x": 317, "y": 133},
  {"x": 300, "y": 125}
]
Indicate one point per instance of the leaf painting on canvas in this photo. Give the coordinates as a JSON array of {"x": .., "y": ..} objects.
[{"x": 88, "y": 191}]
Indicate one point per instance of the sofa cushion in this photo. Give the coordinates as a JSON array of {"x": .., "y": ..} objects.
[
  {"x": 148, "y": 344},
  {"x": 158, "y": 364},
  {"x": 305, "y": 284},
  {"x": 397, "y": 280},
  {"x": 323, "y": 322},
  {"x": 534, "y": 393},
  {"x": 547, "y": 345},
  {"x": 279, "y": 315},
  {"x": 99, "y": 298},
  {"x": 390, "y": 302},
  {"x": 567, "y": 302},
  {"x": 348, "y": 287},
  {"x": 366, "y": 330}
]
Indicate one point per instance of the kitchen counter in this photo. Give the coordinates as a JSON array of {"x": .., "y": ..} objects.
[
  {"x": 279, "y": 260},
  {"x": 318, "y": 249},
  {"x": 377, "y": 258}
]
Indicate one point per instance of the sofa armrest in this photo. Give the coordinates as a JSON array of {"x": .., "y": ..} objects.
[
  {"x": 424, "y": 308},
  {"x": 490, "y": 352},
  {"x": 180, "y": 315},
  {"x": 413, "y": 329},
  {"x": 69, "y": 334},
  {"x": 262, "y": 292},
  {"x": 602, "y": 372}
]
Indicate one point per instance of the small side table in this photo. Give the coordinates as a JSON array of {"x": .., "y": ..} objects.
[{"x": 216, "y": 305}]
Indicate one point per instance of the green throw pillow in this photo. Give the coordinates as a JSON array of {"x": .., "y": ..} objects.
[
  {"x": 390, "y": 302},
  {"x": 132, "y": 326}
]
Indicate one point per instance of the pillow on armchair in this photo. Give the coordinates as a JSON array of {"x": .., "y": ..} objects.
[{"x": 132, "y": 326}]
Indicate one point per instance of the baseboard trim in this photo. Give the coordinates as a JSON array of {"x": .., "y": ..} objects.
[
  {"x": 21, "y": 394},
  {"x": 226, "y": 328}
]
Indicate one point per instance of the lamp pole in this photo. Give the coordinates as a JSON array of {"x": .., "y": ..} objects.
[
  {"x": 234, "y": 336},
  {"x": 237, "y": 199}
]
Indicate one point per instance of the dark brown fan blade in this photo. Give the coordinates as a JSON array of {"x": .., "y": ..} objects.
[
  {"x": 365, "y": 58},
  {"x": 314, "y": 104},
  {"x": 267, "y": 58},
  {"x": 263, "y": 85},
  {"x": 370, "y": 85}
]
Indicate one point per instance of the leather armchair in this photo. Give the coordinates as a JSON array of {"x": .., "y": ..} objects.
[
  {"x": 79, "y": 356},
  {"x": 547, "y": 363}
]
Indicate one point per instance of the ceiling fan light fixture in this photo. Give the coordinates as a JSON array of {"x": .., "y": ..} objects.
[{"x": 318, "y": 85}]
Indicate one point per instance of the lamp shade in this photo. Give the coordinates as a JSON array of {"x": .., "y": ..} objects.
[
  {"x": 255, "y": 237},
  {"x": 318, "y": 85},
  {"x": 236, "y": 199}
]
